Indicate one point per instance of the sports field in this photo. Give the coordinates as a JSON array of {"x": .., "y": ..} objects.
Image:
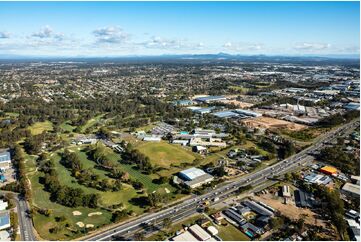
[{"x": 164, "y": 154}]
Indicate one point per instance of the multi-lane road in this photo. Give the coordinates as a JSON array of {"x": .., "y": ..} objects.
[
  {"x": 189, "y": 207},
  {"x": 25, "y": 222}
]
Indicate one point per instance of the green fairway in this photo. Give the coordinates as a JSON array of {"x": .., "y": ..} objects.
[
  {"x": 91, "y": 122},
  {"x": 164, "y": 154},
  {"x": 67, "y": 127},
  {"x": 39, "y": 127}
]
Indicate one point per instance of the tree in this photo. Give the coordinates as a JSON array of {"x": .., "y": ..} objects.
[
  {"x": 276, "y": 222},
  {"x": 167, "y": 223}
]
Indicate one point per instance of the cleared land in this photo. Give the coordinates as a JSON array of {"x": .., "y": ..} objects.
[
  {"x": 237, "y": 103},
  {"x": 272, "y": 123},
  {"x": 290, "y": 210}
]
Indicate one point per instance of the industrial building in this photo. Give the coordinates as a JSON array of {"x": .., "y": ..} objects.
[
  {"x": 194, "y": 177},
  {"x": 209, "y": 99},
  {"x": 317, "y": 179},
  {"x": 5, "y": 160},
  {"x": 198, "y": 232},
  {"x": 329, "y": 170},
  {"x": 186, "y": 236},
  {"x": 352, "y": 190},
  {"x": 303, "y": 199},
  {"x": 4, "y": 220},
  {"x": 258, "y": 208}
]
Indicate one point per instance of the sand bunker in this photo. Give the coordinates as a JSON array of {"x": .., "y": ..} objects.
[
  {"x": 95, "y": 213},
  {"x": 89, "y": 226},
  {"x": 80, "y": 224},
  {"x": 76, "y": 213}
]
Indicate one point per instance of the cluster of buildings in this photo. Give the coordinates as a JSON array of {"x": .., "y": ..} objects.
[
  {"x": 197, "y": 233},
  {"x": 5, "y": 224},
  {"x": 200, "y": 139},
  {"x": 251, "y": 217}
]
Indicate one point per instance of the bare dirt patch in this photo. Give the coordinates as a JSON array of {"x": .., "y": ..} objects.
[
  {"x": 237, "y": 103},
  {"x": 290, "y": 210},
  {"x": 272, "y": 123}
]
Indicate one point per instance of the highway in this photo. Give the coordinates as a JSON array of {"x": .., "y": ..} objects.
[
  {"x": 25, "y": 221},
  {"x": 189, "y": 206}
]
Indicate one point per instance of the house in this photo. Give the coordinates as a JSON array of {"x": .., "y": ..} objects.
[
  {"x": 217, "y": 217},
  {"x": 5, "y": 160}
]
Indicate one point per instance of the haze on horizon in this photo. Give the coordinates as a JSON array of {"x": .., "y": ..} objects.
[{"x": 155, "y": 28}]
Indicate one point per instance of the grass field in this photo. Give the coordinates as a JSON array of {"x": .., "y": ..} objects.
[
  {"x": 91, "y": 122},
  {"x": 231, "y": 233},
  {"x": 41, "y": 198},
  {"x": 39, "y": 127},
  {"x": 67, "y": 127},
  {"x": 164, "y": 154}
]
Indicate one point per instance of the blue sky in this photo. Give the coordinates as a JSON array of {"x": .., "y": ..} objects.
[{"x": 152, "y": 28}]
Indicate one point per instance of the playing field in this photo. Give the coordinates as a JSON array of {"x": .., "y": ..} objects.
[
  {"x": 164, "y": 154},
  {"x": 39, "y": 127}
]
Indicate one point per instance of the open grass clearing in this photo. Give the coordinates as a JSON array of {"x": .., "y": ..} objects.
[
  {"x": 39, "y": 127},
  {"x": 164, "y": 154},
  {"x": 231, "y": 233}
]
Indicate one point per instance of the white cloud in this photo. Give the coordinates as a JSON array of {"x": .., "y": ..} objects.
[
  {"x": 45, "y": 32},
  {"x": 4, "y": 35},
  {"x": 307, "y": 46},
  {"x": 110, "y": 35},
  {"x": 227, "y": 45},
  {"x": 242, "y": 46}
]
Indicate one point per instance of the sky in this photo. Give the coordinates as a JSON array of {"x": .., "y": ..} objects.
[{"x": 157, "y": 28}]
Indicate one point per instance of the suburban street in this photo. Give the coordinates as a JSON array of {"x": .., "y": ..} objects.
[{"x": 189, "y": 207}]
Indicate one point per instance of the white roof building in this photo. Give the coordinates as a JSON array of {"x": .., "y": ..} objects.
[
  {"x": 3, "y": 205},
  {"x": 199, "y": 233},
  {"x": 186, "y": 236}
]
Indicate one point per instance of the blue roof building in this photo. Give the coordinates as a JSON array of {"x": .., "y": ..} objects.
[
  {"x": 5, "y": 160},
  {"x": 4, "y": 220},
  {"x": 210, "y": 99}
]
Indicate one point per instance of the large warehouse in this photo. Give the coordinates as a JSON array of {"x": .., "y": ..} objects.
[{"x": 194, "y": 177}]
